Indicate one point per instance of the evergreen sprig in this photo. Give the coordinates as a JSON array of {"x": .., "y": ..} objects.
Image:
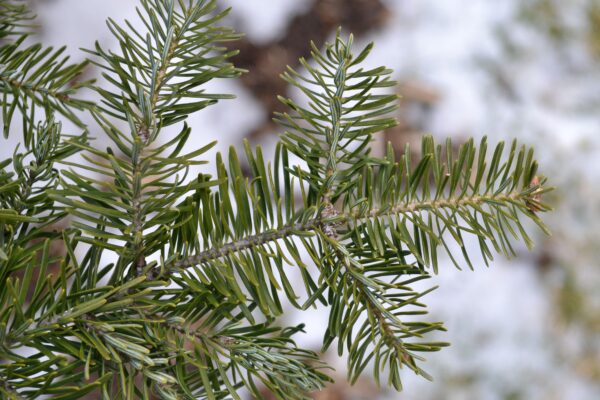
[
  {"x": 171, "y": 285},
  {"x": 34, "y": 79},
  {"x": 14, "y": 17}
]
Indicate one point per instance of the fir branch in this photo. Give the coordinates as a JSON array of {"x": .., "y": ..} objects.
[
  {"x": 245, "y": 243},
  {"x": 144, "y": 134},
  {"x": 36, "y": 78},
  {"x": 28, "y": 86},
  {"x": 340, "y": 219},
  {"x": 14, "y": 17},
  {"x": 184, "y": 324},
  {"x": 373, "y": 295},
  {"x": 335, "y": 132},
  {"x": 164, "y": 68}
]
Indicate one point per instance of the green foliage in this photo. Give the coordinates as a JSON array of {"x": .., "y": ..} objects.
[
  {"x": 13, "y": 18},
  {"x": 34, "y": 79},
  {"x": 171, "y": 285}
]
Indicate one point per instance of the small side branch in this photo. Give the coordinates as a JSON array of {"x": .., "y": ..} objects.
[
  {"x": 60, "y": 96},
  {"x": 143, "y": 132}
]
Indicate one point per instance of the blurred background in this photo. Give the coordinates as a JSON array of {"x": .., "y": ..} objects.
[{"x": 526, "y": 328}]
